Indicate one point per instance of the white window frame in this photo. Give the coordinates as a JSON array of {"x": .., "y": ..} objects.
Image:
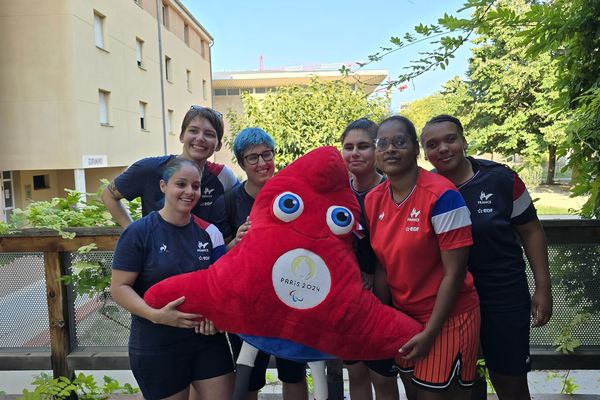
[
  {"x": 104, "y": 107},
  {"x": 99, "y": 30},
  {"x": 168, "y": 69},
  {"x": 139, "y": 52},
  {"x": 143, "y": 117},
  {"x": 170, "y": 122}
]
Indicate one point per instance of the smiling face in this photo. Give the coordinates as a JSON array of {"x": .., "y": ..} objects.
[
  {"x": 358, "y": 152},
  {"x": 182, "y": 190},
  {"x": 444, "y": 145},
  {"x": 392, "y": 161},
  {"x": 262, "y": 171},
  {"x": 200, "y": 140}
]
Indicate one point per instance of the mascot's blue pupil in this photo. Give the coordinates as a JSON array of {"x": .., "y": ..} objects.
[
  {"x": 289, "y": 204},
  {"x": 341, "y": 217}
]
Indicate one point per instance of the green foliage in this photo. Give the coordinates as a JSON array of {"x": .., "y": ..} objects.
[
  {"x": 89, "y": 278},
  {"x": 569, "y": 385},
  {"x": 301, "y": 118},
  {"x": 566, "y": 343},
  {"x": 578, "y": 271},
  {"x": 270, "y": 378},
  {"x": 484, "y": 372},
  {"x": 5, "y": 228},
  {"x": 83, "y": 386},
  {"x": 309, "y": 382},
  {"x": 540, "y": 59}
]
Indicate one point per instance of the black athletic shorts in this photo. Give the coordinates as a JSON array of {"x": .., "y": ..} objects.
[{"x": 386, "y": 368}]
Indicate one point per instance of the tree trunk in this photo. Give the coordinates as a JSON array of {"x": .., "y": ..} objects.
[{"x": 551, "y": 164}]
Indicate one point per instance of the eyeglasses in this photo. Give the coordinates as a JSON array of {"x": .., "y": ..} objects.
[
  {"x": 252, "y": 159},
  {"x": 200, "y": 108},
  {"x": 398, "y": 142}
]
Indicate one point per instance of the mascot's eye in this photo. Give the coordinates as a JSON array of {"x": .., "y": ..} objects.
[
  {"x": 339, "y": 219},
  {"x": 288, "y": 206}
]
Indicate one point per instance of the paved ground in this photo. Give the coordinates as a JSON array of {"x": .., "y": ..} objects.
[{"x": 588, "y": 381}]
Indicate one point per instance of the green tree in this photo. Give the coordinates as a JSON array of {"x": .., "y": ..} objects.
[
  {"x": 452, "y": 100},
  {"x": 301, "y": 118},
  {"x": 566, "y": 30}
]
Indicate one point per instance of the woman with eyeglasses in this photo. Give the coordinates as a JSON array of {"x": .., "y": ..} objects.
[
  {"x": 169, "y": 350},
  {"x": 201, "y": 135},
  {"x": 503, "y": 214},
  {"x": 358, "y": 152},
  {"x": 254, "y": 150},
  {"x": 421, "y": 233}
]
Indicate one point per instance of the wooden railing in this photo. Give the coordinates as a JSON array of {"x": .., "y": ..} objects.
[{"x": 63, "y": 359}]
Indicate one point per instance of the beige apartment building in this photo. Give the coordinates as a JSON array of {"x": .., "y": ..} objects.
[
  {"x": 228, "y": 87},
  {"x": 89, "y": 86}
]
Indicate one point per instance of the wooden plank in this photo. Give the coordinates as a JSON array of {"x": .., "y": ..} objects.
[
  {"x": 25, "y": 361},
  {"x": 99, "y": 359},
  {"x": 585, "y": 357},
  {"x": 54, "y": 243},
  {"x": 56, "y": 296}
]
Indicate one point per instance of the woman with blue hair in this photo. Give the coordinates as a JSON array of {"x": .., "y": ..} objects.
[{"x": 254, "y": 150}]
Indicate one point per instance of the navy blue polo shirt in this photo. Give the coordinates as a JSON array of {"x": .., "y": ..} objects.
[
  {"x": 156, "y": 250},
  {"x": 498, "y": 200},
  {"x": 142, "y": 179}
]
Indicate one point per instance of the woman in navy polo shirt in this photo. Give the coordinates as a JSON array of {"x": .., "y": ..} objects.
[
  {"x": 502, "y": 214},
  {"x": 168, "y": 349}
]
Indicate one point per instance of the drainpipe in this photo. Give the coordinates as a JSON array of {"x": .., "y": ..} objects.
[{"x": 161, "y": 69}]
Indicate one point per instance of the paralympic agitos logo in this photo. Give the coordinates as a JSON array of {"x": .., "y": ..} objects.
[{"x": 301, "y": 278}]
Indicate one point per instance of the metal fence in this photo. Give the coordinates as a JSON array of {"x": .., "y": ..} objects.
[{"x": 40, "y": 317}]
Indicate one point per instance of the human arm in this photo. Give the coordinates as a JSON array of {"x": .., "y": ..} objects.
[
  {"x": 454, "y": 270},
  {"x": 536, "y": 250},
  {"x": 111, "y": 197},
  {"x": 122, "y": 292},
  {"x": 241, "y": 232}
]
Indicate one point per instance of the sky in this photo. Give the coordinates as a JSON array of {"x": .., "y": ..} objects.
[{"x": 313, "y": 32}]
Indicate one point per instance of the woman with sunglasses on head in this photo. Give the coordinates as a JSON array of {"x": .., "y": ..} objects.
[
  {"x": 421, "y": 234},
  {"x": 201, "y": 135},
  {"x": 254, "y": 150},
  {"x": 170, "y": 350},
  {"x": 358, "y": 152},
  {"x": 503, "y": 213}
]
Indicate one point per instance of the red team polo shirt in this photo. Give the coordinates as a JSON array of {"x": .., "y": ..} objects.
[{"x": 408, "y": 238}]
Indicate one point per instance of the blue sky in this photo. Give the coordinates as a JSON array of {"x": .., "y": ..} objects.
[{"x": 312, "y": 32}]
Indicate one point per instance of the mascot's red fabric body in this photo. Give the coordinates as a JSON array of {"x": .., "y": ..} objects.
[{"x": 294, "y": 275}]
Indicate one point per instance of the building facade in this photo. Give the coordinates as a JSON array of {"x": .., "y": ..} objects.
[
  {"x": 228, "y": 87},
  {"x": 89, "y": 86}
]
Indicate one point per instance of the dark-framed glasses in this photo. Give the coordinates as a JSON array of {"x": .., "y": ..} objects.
[
  {"x": 252, "y": 158},
  {"x": 199, "y": 108},
  {"x": 398, "y": 142}
]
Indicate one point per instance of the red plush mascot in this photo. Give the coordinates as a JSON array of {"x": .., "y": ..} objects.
[{"x": 294, "y": 275}]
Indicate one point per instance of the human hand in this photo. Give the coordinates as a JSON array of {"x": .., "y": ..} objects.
[
  {"x": 367, "y": 280},
  {"x": 541, "y": 306},
  {"x": 418, "y": 346},
  {"x": 169, "y": 315},
  {"x": 242, "y": 231},
  {"x": 207, "y": 327}
]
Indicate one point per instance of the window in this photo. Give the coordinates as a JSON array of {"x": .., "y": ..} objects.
[
  {"x": 99, "y": 29},
  {"x": 104, "y": 104},
  {"x": 233, "y": 92},
  {"x": 165, "y": 15},
  {"x": 220, "y": 92},
  {"x": 188, "y": 79},
  {"x": 170, "y": 122},
  {"x": 139, "y": 53},
  {"x": 143, "y": 123},
  {"x": 202, "y": 48},
  {"x": 41, "y": 182},
  {"x": 168, "y": 72},
  {"x": 186, "y": 34},
  {"x": 204, "y": 89},
  {"x": 260, "y": 90}
]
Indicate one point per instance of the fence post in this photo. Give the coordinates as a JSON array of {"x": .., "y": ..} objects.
[{"x": 57, "y": 314}]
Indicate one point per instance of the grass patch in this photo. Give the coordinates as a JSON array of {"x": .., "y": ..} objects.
[{"x": 551, "y": 210}]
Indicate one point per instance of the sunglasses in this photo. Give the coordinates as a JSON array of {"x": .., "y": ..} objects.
[
  {"x": 200, "y": 108},
  {"x": 252, "y": 159},
  {"x": 398, "y": 142}
]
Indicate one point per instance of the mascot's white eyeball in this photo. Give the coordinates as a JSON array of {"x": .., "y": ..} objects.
[
  {"x": 288, "y": 206},
  {"x": 340, "y": 220}
]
